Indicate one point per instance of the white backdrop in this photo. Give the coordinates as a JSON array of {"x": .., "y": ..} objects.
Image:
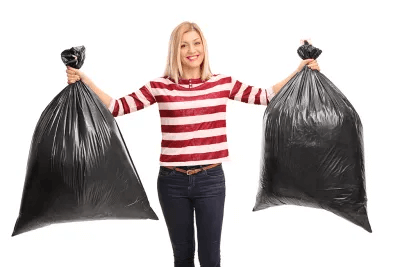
[{"x": 256, "y": 42}]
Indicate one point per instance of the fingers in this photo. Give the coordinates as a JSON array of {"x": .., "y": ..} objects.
[
  {"x": 309, "y": 62},
  {"x": 72, "y": 75},
  {"x": 308, "y": 40},
  {"x": 73, "y": 78},
  {"x": 71, "y": 81},
  {"x": 313, "y": 65},
  {"x": 71, "y": 71}
]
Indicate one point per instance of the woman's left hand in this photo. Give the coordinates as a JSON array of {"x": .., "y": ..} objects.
[{"x": 311, "y": 63}]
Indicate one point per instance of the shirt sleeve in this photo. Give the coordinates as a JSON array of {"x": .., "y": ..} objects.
[
  {"x": 133, "y": 102},
  {"x": 250, "y": 94}
]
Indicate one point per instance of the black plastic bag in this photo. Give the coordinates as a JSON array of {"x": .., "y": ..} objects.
[
  {"x": 312, "y": 148},
  {"x": 79, "y": 167}
]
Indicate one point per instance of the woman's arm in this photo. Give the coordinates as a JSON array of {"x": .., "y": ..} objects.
[
  {"x": 133, "y": 102},
  {"x": 76, "y": 75},
  {"x": 277, "y": 87},
  {"x": 311, "y": 63},
  {"x": 250, "y": 94},
  {"x": 106, "y": 99}
]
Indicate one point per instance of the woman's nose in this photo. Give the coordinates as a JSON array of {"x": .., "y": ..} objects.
[{"x": 191, "y": 49}]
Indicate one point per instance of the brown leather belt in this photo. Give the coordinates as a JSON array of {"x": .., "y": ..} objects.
[{"x": 193, "y": 171}]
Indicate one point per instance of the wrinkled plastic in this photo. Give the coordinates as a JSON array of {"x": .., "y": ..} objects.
[
  {"x": 79, "y": 167},
  {"x": 312, "y": 148}
]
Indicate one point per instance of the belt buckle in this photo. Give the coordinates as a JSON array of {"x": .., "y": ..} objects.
[{"x": 189, "y": 172}]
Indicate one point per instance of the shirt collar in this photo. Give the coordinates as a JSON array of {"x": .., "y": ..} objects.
[{"x": 190, "y": 81}]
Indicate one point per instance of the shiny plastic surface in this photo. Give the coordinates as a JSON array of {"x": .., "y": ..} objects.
[
  {"x": 79, "y": 167},
  {"x": 312, "y": 148}
]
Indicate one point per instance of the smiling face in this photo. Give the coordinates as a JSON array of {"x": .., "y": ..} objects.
[{"x": 192, "y": 52}]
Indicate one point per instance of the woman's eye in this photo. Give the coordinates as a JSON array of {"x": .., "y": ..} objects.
[
  {"x": 182, "y": 46},
  {"x": 198, "y": 43}
]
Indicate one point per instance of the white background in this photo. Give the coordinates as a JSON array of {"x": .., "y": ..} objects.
[{"x": 256, "y": 42}]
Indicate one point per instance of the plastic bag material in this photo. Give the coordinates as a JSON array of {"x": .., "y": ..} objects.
[
  {"x": 312, "y": 148},
  {"x": 79, "y": 167}
]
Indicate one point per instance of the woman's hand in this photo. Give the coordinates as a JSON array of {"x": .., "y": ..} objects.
[
  {"x": 76, "y": 75},
  {"x": 311, "y": 63}
]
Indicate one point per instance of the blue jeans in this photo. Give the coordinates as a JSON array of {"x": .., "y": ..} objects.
[{"x": 180, "y": 195}]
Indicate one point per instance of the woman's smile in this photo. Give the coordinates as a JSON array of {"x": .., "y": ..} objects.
[{"x": 192, "y": 58}]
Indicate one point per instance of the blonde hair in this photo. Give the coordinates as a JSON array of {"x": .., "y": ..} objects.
[{"x": 173, "y": 68}]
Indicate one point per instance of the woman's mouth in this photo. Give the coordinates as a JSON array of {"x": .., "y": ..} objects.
[{"x": 192, "y": 58}]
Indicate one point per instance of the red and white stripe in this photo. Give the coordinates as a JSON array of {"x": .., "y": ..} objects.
[
  {"x": 132, "y": 102},
  {"x": 193, "y": 117}
]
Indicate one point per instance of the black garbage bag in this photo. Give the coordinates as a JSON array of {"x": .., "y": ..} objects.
[
  {"x": 312, "y": 148},
  {"x": 79, "y": 168}
]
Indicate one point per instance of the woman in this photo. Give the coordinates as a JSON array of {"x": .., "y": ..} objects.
[{"x": 192, "y": 104}]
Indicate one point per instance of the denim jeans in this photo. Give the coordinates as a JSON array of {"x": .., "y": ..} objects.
[{"x": 180, "y": 195}]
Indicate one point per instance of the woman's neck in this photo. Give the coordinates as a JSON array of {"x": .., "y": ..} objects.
[{"x": 191, "y": 74}]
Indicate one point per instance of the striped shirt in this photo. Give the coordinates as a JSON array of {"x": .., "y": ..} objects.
[{"x": 193, "y": 115}]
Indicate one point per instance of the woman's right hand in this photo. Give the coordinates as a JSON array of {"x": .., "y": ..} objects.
[{"x": 76, "y": 75}]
